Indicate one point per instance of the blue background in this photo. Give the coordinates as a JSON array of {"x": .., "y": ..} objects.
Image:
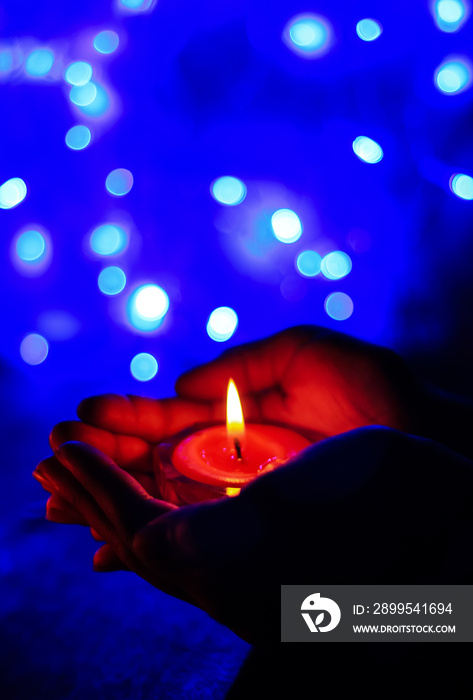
[{"x": 198, "y": 91}]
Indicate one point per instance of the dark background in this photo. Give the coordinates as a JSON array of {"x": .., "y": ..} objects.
[{"x": 198, "y": 91}]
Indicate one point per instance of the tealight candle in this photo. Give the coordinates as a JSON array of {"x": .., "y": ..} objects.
[{"x": 218, "y": 460}]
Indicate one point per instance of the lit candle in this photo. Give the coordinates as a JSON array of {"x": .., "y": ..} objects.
[{"x": 218, "y": 460}]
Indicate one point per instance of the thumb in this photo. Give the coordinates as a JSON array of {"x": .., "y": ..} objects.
[{"x": 210, "y": 532}]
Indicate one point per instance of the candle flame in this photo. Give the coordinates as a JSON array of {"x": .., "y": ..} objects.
[{"x": 235, "y": 420}]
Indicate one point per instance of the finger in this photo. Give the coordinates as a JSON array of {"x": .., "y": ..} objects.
[
  {"x": 71, "y": 489},
  {"x": 43, "y": 480},
  {"x": 105, "y": 559},
  {"x": 148, "y": 482},
  {"x": 128, "y": 452},
  {"x": 255, "y": 367},
  {"x": 206, "y": 533},
  {"x": 58, "y": 510},
  {"x": 141, "y": 417},
  {"x": 121, "y": 498},
  {"x": 57, "y": 515}
]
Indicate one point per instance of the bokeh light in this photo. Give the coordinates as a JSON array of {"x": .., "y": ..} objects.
[
  {"x": 31, "y": 251},
  {"x": 143, "y": 367},
  {"x": 34, "y": 349},
  {"x": 106, "y": 42},
  {"x": 83, "y": 95},
  {"x": 308, "y": 263},
  {"x": 151, "y": 301},
  {"x": 367, "y": 150},
  {"x": 12, "y": 193},
  {"x": 368, "y": 29},
  {"x": 453, "y": 76},
  {"x": 100, "y": 104},
  {"x": 228, "y": 190},
  {"x": 111, "y": 280},
  {"x": 39, "y": 62},
  {"x": 31, "y": 246},
  {"x": 136, "y": 5},
  {"x": 308, "y": 35},
  {"x": 222, "y": 323},
  {"x": 6, "y": 60},
  {"x": 78, "y": 73},
  {"x": 78, "y": 137},
  {"x": 119, "y": 182},
  {"x": 108, "y": 239},
  {"x": 336, "y": 265},
  {"x": 462, "y": 186},
  {"x": 286, "y": 225},
  {"x": 450, "y": 15},
  {"x": 339, "y": 306},
  {"x": 147, "y": 306}
]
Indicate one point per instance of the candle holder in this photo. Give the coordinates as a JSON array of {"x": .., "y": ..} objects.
[
  {"x": 203, "y": 464},
  {"x": 174, "y": 486}
]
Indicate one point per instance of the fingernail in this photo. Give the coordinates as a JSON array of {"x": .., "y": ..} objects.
[
  {"x": 71, "y": 447},
  {"x": 42, "y": 478},
  {"x": 55, "y": 437}
]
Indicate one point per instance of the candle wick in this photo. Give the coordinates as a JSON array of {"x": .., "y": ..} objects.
[{"x": 237, "y": 444}]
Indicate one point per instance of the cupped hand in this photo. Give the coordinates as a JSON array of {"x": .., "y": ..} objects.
[
  {"x": 317, "y": 381},
  {"x": 369, "y": 506}
]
